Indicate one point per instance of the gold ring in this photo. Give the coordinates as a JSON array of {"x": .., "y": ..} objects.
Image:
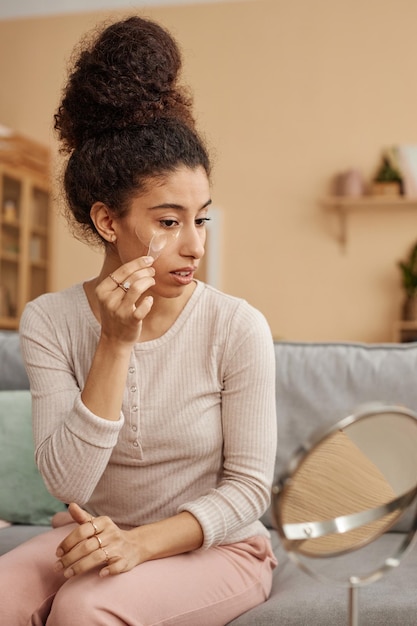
[
  {"x": 106, "y": 554},
  {"x": 99, "y": 541},
  {"x": 125, "y": 286},
  {"x": 94, "y": 526},
  {"x": 113, "y": 279}
]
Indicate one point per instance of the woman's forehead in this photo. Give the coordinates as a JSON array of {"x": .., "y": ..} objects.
[{"x": 181, "y": 189}]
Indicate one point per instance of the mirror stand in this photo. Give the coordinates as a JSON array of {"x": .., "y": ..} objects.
[
  {"x": 344, "y": 490},
  {"x": 353, "y": 605}
]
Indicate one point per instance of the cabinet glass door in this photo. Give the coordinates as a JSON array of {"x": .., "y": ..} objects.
[
  {"x": 10, "y": 244},
  {"x": 38, "y": 243}
]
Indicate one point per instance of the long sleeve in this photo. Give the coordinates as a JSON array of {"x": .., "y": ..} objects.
[{"x": 72, "y": 445}]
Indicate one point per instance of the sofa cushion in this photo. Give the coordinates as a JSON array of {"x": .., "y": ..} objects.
[
  {"x": 317, "y": 384},
  {"x": 24, "y": 498},
  {"x": 301, "y": 600},
  {"x": 14, "y": 535},
  {"x": 12, "y": 370}
]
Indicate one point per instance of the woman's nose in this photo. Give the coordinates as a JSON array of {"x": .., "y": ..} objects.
[{"x": 192, "y": 242}]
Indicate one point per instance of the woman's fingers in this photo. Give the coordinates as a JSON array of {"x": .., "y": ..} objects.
[
  {"x": 123, "y": 277},
  {"x": 88, "y": 526},
  {"x": 78, "y": 514},
  {"x": 143, "y": 308},
  {"x": 86, "y": 546},
  {"x": 125, "y": 286},
  {"x": 96, "y": 542},
  {"x": 136, "y": 289},
  {"x": 121, "y": 298},
  {"x": 84, "y": 557}
]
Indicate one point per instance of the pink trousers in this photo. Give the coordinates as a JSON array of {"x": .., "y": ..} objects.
[{"x": 201, "y": 588}]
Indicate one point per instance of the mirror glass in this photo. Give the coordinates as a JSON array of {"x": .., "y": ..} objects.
[{"x": 350, "y": 487}]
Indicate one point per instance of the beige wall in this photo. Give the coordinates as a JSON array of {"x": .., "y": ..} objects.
[{"x": 288, "y": 94}]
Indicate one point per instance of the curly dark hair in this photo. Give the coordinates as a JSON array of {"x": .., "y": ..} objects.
[{"x": 124, "y": 119}]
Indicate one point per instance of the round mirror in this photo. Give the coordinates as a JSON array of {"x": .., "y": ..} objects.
[{"x": 347, "y": 488}]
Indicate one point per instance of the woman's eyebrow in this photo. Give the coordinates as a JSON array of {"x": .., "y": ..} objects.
[{"x": 176, "y": 207}]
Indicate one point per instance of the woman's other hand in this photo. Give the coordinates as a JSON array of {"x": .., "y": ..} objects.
[{"x": 96, "y": 542}]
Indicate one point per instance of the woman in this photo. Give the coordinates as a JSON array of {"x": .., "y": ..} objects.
[{"x": 153, "y": 393}]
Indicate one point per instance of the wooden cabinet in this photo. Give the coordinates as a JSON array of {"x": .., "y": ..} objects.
[{"x": 24, "y": 226}]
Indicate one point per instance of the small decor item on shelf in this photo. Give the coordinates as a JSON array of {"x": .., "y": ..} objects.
[
  {"x": 408, "y": 270},
  {"x": 9, "y": 212},
  {"x": 388, "y": 179},
  {"x": 350, "y": 184},
  {"x": 407, "y": 158}
]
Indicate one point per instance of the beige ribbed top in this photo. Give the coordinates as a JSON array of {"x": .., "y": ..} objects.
[{"x": 197, "y": 431}]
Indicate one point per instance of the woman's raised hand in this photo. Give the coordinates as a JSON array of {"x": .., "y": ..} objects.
[{"x": 121, "y": 299}]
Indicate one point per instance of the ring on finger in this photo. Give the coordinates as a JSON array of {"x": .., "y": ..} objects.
[
  {"x": 93, "y": 525},
  {"x": 114, "y": 279},
  {"x": 125, "y": 286},
  {"x": 106, "y": 554}
]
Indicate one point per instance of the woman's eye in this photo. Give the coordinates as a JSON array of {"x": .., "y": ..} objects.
[
  {"x": 201, "y": 221},
  {"x": 168, "y": 223}
]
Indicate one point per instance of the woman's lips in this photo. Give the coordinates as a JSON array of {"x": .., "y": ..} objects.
[{"x": 184, "y": 276}]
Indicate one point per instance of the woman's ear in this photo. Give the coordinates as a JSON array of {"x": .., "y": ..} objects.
[{"x": 103, "y": 221}]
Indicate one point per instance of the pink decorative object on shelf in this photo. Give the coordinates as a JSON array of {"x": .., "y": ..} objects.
[{"x": 350, "y": 183}]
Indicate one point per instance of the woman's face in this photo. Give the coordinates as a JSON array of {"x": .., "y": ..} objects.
[{"x": 168, "y": 220}]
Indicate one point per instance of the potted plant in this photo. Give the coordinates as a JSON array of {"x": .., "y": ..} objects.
[
  {"x": 408, "y": 270},
  {"x": 388, "y": 180}
]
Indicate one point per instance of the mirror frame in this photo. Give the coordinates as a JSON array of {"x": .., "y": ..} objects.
[{"x": 308, "y": 530}]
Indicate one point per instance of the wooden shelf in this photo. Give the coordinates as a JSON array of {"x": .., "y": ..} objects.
[
  {"x": 344, "y": 205},
  {"x": 41, "y": 231},
  {"x": 9, "y": 257},
  {"x": 41, "y": 264},
  {"x": 405, "y": 331},
  {"x": 347, "y": 202},
  {"x": 13, "y": 225}
]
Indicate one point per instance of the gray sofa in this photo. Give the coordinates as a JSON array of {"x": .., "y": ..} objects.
[{"x": 317, "y": 384}]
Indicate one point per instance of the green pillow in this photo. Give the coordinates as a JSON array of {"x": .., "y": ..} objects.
[{"x": 24, "y": 498}]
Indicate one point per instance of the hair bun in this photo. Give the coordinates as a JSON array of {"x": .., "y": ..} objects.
[{"x": 126, "y": 76}]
